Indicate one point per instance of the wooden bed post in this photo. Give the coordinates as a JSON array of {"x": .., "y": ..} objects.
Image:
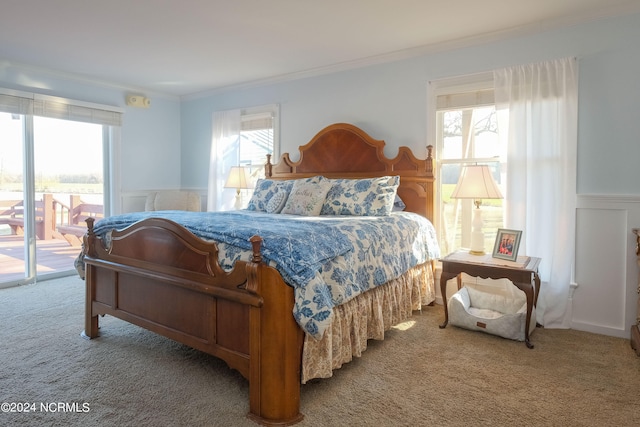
[
  {"x": 268, "y": 167},
  {"x": 276, "y": 347},
  {"x": 90, "y": 321}
]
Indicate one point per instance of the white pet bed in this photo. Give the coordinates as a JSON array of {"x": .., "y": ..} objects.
[{"x": 490, "y": 312}]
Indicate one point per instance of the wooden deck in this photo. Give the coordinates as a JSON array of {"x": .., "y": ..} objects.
[{"x": 53, "y": 255}]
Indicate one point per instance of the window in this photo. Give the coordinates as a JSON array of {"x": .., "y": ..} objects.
[
  {"x": 257, "y": 139},
  {"x": 537, "y": 108},
  {"x": 465, "y": 124},
  {"x": 240, "y": 138}
]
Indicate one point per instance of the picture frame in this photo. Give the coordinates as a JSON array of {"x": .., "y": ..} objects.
[{"x": 507, "y": 244}]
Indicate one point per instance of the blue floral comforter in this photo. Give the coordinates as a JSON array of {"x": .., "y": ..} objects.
[{"x": 327, "y": 259}]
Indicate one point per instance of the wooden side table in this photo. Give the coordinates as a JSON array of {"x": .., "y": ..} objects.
[{"x": 523, "y": 273}]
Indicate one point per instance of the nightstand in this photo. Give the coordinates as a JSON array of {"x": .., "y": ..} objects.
[{"x": 523, "y": 273}]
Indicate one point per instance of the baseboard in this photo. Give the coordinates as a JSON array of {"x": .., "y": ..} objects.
[
  {"x": 635, "y": 338},
  {"x": 597, "y": 329}
]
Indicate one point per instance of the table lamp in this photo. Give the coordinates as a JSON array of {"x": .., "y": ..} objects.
[
  {"x": 238, "y": 178},
  {"x": 476, "y": 182}
]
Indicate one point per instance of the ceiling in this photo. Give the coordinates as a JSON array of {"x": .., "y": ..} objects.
[{"x": 184, "y": 47}]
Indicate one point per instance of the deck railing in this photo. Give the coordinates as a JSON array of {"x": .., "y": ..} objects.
[{"x": 53, "y": 218}]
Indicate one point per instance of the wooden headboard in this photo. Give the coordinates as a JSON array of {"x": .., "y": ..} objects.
[{"x": 343, "y": 150}]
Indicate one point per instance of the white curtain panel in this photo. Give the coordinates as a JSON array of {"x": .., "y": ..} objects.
[
  {"x": 537, "y": 108},
  {"x": 225, "y": 145}
]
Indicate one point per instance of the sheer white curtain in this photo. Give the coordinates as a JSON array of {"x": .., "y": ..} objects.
[
  {"x": 538, "y": 113},
  {"x": 225, "y": 152}
]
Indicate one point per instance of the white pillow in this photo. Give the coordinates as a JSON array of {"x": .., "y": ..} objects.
[{"x": 307, "y": 196}]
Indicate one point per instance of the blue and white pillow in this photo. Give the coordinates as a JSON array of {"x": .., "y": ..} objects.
[
  {"x": 398, "y": 204},
  {"x": 277, "y": 202},
  {"x": 264, "y": 190},
  {"x": 361, "y": 197}
]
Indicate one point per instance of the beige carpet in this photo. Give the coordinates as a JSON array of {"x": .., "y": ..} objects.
[{"x": 419, "y": 376}]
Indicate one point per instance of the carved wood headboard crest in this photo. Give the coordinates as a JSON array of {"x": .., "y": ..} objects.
[{"x": 343, "y": 150}]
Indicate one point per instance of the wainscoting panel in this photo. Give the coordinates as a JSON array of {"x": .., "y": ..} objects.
[{"x": 606, "y": 272}]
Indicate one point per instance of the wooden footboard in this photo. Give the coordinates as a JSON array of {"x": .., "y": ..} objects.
[{"x": 159, "y": 276}]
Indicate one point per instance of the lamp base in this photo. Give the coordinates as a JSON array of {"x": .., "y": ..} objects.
[
  {"x": 238, "y": 204},
  {"x": 477, "y": 236},
  {"x": 477, "y": 252}
]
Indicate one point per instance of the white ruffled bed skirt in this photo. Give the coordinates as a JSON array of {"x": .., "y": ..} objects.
[{"x": 366, "y": 317}]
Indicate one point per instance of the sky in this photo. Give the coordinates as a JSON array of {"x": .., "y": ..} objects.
[{"x": 60, "y": 146}]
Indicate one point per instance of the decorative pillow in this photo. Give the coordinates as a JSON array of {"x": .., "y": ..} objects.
[
  {"x": 361, "y": 197},
  {"x": 264, "y": 190},
  {"x": 307, "y": 196},
  {"x": 398, "y": 204},
  {"x": 277, "y": 202}
]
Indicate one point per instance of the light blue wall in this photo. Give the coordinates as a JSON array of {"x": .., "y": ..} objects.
[
  {"x": 151, "y": 146},
  {"x": 150, "y": 138},
  {"x": 389, "y": 100}
]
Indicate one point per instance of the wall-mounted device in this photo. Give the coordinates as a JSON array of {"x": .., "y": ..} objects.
[{"x": 138, "y": 101}]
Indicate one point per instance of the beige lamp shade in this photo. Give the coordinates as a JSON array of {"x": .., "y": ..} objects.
[
  {"x": 238, "y": 178},
  {"x": 476, "y": 182}
]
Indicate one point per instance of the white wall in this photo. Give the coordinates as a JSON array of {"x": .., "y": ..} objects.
[{"x": 389, "y": 101}]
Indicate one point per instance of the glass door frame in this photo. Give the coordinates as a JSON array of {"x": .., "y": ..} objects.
[
  {"x": 110, "y": 144},
  {"x": 29, "y": 197}
]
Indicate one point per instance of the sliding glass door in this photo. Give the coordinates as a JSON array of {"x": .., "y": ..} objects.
[{"x": 51, "y": 179}]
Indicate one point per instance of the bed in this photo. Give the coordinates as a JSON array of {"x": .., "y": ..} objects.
[{"x": 153, "y": 271}]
